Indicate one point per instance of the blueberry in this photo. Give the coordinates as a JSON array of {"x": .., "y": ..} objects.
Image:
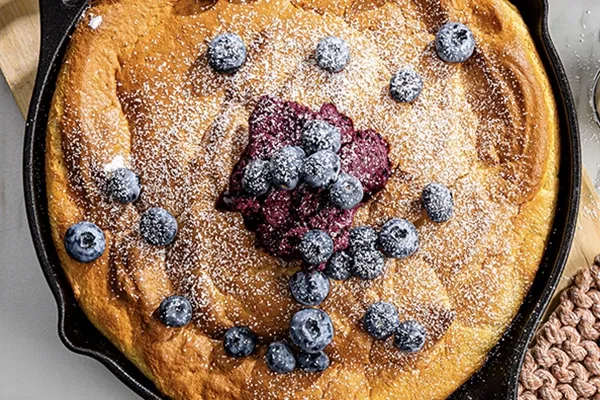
[
  {"x": 438, "y": 203},
  {"x": 316, "y": 247},
  {"x": 346, "y": 193},
  {"x": 85, "y": 242},
  {"x": 158, "y": 227},
  {"x": 311, "y": 330},
  {"x": 399, "y": 238},
  {"x": 410, "y": 336},
  {"x": 280, "y": 358},
  {"x": 332, "y": 54},
  {"x": 381, "y": 320},
  {"x": 362, "y": 238},
  {"x": 257, "y": 178},
  {"x": 321, "y": 169},
  {"x": 239, "y": 341},
  {"x": 123, "y": 185},
  {"x": 317, "y": 362},
  {"x": 309, "y": 288},
  {"x": 405, "y": 86},
  {"x": 367, "y": 264},
  {"x": 339, "y": 266},
  {"x": 286, "y": 167},
  {"x": 227, "y": 53},
  {"x": 175, "y": 311},
  {"x": 319, "y": 135},
  {"x": 455, "y": 42}
]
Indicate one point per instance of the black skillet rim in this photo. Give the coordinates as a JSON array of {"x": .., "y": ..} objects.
[{"x": 498, "y": 377}]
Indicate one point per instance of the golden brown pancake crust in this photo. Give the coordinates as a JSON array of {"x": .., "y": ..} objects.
[{"x": 139, "y": 87}]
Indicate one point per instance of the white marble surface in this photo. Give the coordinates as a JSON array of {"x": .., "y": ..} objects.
[
  {"x": 575, "y": 29},
  {"x": 34, "y": 364}
]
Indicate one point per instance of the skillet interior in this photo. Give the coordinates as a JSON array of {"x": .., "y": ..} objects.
[{"x": 496, "y": 380}]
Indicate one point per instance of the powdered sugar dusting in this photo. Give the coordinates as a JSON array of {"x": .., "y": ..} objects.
[
  {"x": 95, "y": 21},
  {"x": 114, "y": 164},
  {"x": 181, "y": 127}
]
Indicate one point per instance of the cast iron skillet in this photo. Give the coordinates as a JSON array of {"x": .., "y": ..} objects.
[{"x": 498, "y": 377}]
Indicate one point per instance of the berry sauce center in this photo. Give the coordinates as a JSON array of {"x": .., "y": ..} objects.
[{"x": 280, "y": 218}]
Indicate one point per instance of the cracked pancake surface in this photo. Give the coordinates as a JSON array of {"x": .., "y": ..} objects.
[{"x": 138, "y": 89}]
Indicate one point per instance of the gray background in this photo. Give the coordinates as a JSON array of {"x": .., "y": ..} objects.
[{"x": 33, "y": 362}]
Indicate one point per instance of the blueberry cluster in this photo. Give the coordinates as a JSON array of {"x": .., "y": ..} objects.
[
  {"x": 227, "y": 53},
  {"x": 364, "y": 257},
  {"x": 310, "y": 288},
  {"x": 381, "y": 321},
  {"x": 85, "y": 242},
  {"x": 398, "y": 238},
  {"x": 454, "y": 43},
  {"x": 311, "y": 331},
  {"x": 315, "y": 164}
]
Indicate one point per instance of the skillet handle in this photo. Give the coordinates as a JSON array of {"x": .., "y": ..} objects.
[{"x": 57, "y": 18}]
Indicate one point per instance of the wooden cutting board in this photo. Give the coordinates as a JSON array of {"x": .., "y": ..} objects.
[{"x": 19, "y": 46}]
